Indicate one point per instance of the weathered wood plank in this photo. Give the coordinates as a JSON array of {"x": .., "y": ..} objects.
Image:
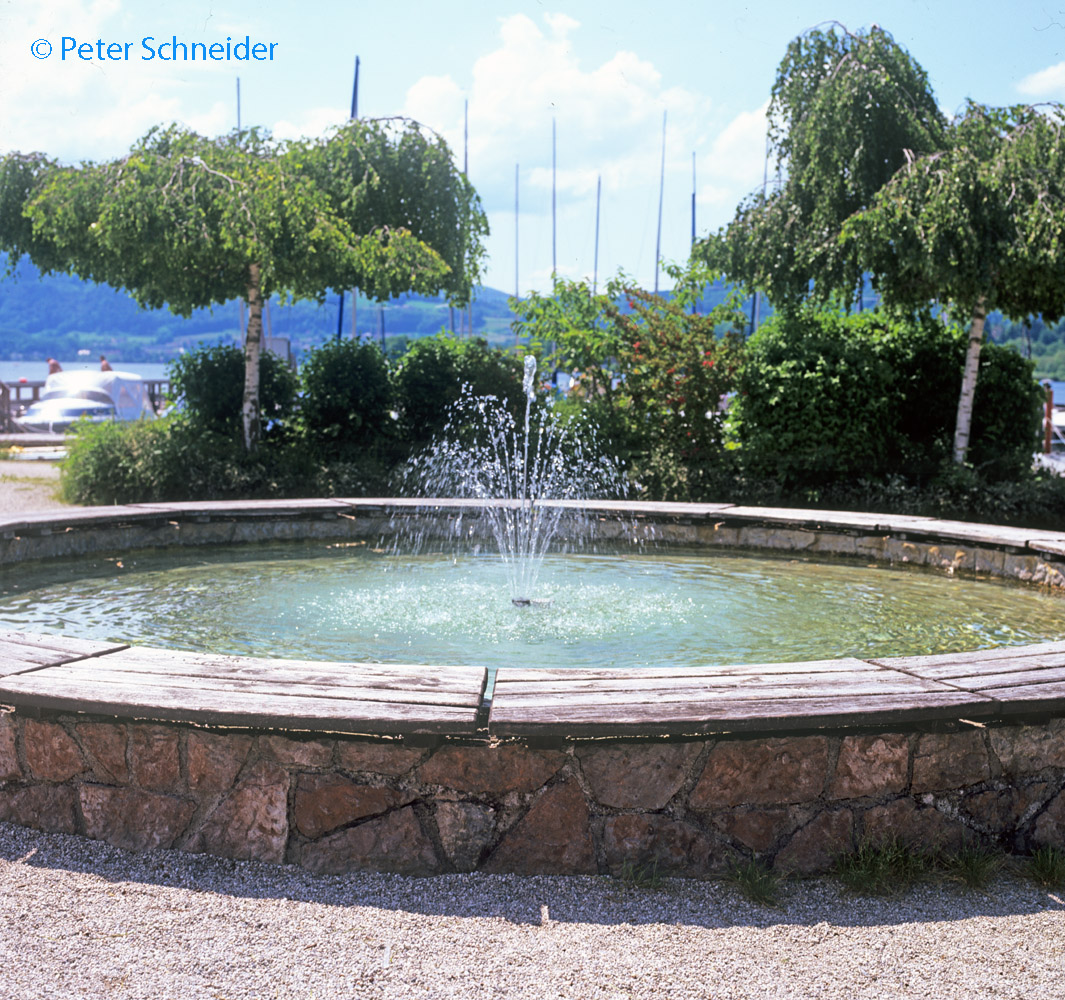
[
  {"x": 675, "y": 718},
  {"x": 67, "y": 644},
  {"x": 1030, "y": 697},
  {"x": 919, "y": 664},
  {"x": 549, "y": 674},
  {"x": 608, "y": 699},
  {"x": 248, "y": 709},
  {"x": 147, "y": 661},
  {"x": 1052, "y": 546},
  {"x": 241, "y": 508},
  {"x": 953, "y": 672},
  {"x": 17, "y": 657},
  {"x": 96, "y": 673},
  {"x": 60, "y": 520},
  {"x": 1009, "y": 678}
]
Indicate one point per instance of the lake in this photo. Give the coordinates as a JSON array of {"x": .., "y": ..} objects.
[{"x": 33, "y": 371}]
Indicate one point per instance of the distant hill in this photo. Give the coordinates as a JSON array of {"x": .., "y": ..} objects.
[{"x": 58, "y": 315}]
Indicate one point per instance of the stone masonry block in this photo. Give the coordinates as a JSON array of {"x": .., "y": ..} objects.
[
  {"x": 762, "y": 772},
  {"x": 637, "y": 776},
  {"x": 554, "y": 837},
  {"x": 871, "y": 765},
  {"x": 51, "y": 753},
  {"x": 492, "y": 771},
  {"x": 944, "y": 761},
  {"x": 154, "y": 761}
]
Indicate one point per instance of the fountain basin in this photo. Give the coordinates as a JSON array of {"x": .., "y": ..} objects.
[{"x": 561, "y": 771}]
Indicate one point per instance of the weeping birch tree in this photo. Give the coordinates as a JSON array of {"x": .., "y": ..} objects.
[
  {"x": 980, "y": 225},
  {"x": 968, "y": 213},
  {"x": 189, "y": 222}
]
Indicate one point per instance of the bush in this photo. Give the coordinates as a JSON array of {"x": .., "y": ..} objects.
[
  {"x": 210, "y": 382},
  {"x": 826, "y": 398},
  {"x": 345, "y": 398},
  {"x": 168, "y": 459},
  {"x": 174, "y": 459},
  {"x": 431, "y": 375},
  {"x": 1007, "y": 415}
]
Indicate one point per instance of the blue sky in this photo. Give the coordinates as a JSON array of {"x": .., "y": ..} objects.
[{"x": 603, "y": 71}]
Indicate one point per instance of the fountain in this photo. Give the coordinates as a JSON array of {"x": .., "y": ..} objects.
[
  {"x": 523, "y": 476},
  {"x": 670, "y": 759}
]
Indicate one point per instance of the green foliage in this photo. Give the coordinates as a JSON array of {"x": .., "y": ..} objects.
[
  {"x": 845, "y": 113},
  {"x": 168, "y": 459},
  {"x": 570, "y": 331},
  {"x": 637, "y": 876},
  {"x": 346, "y": 396},
  {"x": 826, "y": 398},
  {"x": 210, "y": 382},
  {"x": 395, "y": 184},
  {"x": 177, "y": 459},
  {"x": 1007, "y": 416},
  {"x": 968, "y": 212},
  {"x": 186, "y": 221},
  {"x": 882, "y": 869},
  {"x": 1046, "y": 867},
  {"x": 649, "y": 372},
  {"x": 971, "y": 865},
  {"x": 430, "y": 377},
  {"x": 756, "y": 881},
  {"x": 980, "y": 220},
  {"x": 675, "y": 373}
]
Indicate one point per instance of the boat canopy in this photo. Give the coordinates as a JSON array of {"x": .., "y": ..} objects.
[{"x": 127, "y": 391}]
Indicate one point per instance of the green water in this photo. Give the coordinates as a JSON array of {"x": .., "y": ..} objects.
[{"x": 673, "y": 606}]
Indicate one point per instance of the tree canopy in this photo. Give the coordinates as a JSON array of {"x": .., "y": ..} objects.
[
  {"x": 188, "y": 222},
  {"x": 968, "y": 212}
]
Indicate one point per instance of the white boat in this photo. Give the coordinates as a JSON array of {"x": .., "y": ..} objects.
[{"x": 96, "y": 396}]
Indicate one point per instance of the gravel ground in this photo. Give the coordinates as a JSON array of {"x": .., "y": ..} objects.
[
  {"x": 82, "y": 919},
  {"x": 26, "y": 487}
]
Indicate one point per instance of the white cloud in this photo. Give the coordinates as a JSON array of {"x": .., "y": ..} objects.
[
  {"x": 607, "y": 118},
  {"x": 312, "y": 124},
  {"x": 738, "y": 152},
  {"x": 1049, "y": 82}
]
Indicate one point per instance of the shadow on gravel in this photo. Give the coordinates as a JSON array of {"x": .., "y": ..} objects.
[{"x": 528, "y": 900}]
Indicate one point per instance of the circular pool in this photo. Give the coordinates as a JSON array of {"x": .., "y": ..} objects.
[{"x": 613, "y": 607}]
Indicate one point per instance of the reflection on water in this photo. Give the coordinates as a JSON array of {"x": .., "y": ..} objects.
[{"x": 314, "y": 601}]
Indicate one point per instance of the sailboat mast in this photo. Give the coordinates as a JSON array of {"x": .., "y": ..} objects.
[
  {"x": 242, "y": 327},
  {"x": 661, "y": 193},
  {"x": 466, "y": 173},
  {"x": 554, "y": 224},
  {"x": 595, "y": 259},
  {"x": 695, "y": 305}
]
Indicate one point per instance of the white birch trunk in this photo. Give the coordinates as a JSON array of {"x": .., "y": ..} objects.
[
  {"x": 968, "y": 383},
  {"x": 252, "y": 349}
]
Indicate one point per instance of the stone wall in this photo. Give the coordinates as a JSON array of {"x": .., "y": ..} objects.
[{"x": 337, "y": 804}]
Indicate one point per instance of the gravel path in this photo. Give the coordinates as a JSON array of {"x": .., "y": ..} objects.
[
  {"x": 82, "y": 919},
  {"x": 26, "y": 487}
]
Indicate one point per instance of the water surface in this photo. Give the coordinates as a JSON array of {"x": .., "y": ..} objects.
[{"x": 625, "y": 608}]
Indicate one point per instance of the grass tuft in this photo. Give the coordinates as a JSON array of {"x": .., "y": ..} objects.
[
  {"x": 634, "y": 876},
  {"x": 1046, "y": 867},
  {"x": 757, "y": 882},
  {"x": 881, "y": 869},
  {"x": 972, "y": 866}
]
